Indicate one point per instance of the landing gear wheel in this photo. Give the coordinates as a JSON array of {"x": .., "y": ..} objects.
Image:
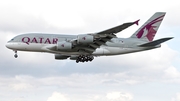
[
  {"x": 77, "y": 60},
  {"x": 84, "y": 58},
  {"x": 15, "y": 55}
]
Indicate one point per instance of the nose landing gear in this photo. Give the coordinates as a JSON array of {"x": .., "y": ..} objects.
[{"x": 15, "y": 55}]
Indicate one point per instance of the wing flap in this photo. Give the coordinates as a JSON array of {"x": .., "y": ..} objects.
[{"x": 94, "y": 46}]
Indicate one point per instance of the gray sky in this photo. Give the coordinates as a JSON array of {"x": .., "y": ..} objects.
[{"x": 152, "y": 75}]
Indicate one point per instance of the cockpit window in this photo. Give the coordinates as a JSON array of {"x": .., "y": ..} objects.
[{"x": 11, "y": 40}]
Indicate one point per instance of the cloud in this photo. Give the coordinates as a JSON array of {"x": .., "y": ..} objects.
[
  {"x": 172, "y": 72},
  {"x": 56, "y": 16},
  {"x": 56, "y": 96},
  {"x": 177, "y": 98},
  {"x": 119, "y": 96},
  {"x": 18, "y": 99},
  {"x": 140, "y": 63},
  {"x": 111, "y": 96},
  {"x": 66, "y": 86},
  {"x": 171, "y": 75},
  {"x": 21, "y": 86},
  {"x": 20, "y": 23},
  {"x": 18, "y": 83}
]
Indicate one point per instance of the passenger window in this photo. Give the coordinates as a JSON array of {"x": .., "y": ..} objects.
[
  {"x": 121, "y": 41},
  {"x": 115, "y": 40}
]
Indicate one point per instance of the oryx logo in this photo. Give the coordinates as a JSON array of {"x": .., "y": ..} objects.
[
  {"x": 150, "y": 29},
  {"x": 62, "y": 45},
  {"x": 84, "y": 38}
]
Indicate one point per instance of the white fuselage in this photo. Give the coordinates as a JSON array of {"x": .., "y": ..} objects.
[{"x": 42, "y": 43}]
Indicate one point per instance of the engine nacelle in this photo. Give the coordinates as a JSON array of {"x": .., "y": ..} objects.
[
  {"x": 85, "y": 39},
  {"x": 64, "y": 45},
  {"x": 60, "y": 57}
]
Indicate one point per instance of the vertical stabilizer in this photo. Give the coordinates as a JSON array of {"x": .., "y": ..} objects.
[{"x": 149, "y": 29}]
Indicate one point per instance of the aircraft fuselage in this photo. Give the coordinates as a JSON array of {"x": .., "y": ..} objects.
[{"x": 40, "y": 42}]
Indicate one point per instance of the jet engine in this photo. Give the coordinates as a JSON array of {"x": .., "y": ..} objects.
[
  {"x": 60, "y": 57},
  {"x": 85, "y": 39},
  {"x": 64, "y": 45}
]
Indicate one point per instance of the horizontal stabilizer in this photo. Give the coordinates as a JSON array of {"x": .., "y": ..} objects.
[{"x": 156, "y": 42}]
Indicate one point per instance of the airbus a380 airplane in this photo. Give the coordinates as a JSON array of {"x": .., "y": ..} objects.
[{"x": 85, "y": 47}]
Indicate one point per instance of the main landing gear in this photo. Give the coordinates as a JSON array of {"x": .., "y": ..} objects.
[
  {"x": 15, "y": 55},
  {"x": 84, "y": 58}
]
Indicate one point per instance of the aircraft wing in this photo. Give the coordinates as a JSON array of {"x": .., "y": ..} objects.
[
  {"x": 117, "y": 29},
  {"x": 102, "y": 37}
]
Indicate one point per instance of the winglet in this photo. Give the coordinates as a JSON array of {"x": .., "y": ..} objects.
[{"x": 137, "y": 22}]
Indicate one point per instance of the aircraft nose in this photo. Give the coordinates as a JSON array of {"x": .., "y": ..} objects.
[{"x": 8, "y": 45}]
